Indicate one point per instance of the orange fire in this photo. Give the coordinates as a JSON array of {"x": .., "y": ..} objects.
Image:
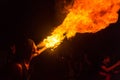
[{"x": 85, "y": 16}]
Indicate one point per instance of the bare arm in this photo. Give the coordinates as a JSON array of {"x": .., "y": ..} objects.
[
  {"x": 41, "y": 50},
  {"x": 15, "y": 72},
  {"x": 107, "y": 69},
  {"x": 38, "y": 52}
]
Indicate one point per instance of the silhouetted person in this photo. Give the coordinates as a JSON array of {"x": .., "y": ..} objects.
[
  {"x": 107, "y": 69},
  {"x": 18, "y": 68},
  {"x": 11, "y": 52}
]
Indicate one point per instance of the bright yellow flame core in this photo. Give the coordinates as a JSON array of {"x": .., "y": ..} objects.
[
  {"x": 86, "y": 16},
  {"x": 53, "y": 40}
]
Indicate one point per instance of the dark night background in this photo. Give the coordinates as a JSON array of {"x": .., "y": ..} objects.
[{"x": 37, "y": 18}]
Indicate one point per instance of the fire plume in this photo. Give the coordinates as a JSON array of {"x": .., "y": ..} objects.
[{"x": 85, "y": 16}]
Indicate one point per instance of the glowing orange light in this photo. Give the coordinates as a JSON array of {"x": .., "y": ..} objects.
[{"x": 85, "y": 16}]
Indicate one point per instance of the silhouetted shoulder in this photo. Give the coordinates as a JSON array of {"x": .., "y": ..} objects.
[{"x": 12, "y": 72}]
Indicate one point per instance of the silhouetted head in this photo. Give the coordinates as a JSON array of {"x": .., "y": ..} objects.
[
  {"x": 106, "y": 60},
  {"x": 24, "y": 49}
]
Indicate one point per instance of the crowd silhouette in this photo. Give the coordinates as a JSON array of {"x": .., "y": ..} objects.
[{"x": 26, "y": 62}]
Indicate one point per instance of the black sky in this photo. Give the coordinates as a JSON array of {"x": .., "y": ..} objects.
[
  {"x": 33, "y": 18},
  {"x": 36, "y": 19}
]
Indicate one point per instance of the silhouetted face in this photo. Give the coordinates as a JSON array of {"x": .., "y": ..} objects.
[
  {"x": 34, "y": 49},
  {"x": 13, "y": 48},
  {"x": 106, "y": 60}
]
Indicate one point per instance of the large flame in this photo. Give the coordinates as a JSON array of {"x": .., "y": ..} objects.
[{"x": 85, "y": 16}]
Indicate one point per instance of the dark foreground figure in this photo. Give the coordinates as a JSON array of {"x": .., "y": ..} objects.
[{"x": 17, "y": 67}]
